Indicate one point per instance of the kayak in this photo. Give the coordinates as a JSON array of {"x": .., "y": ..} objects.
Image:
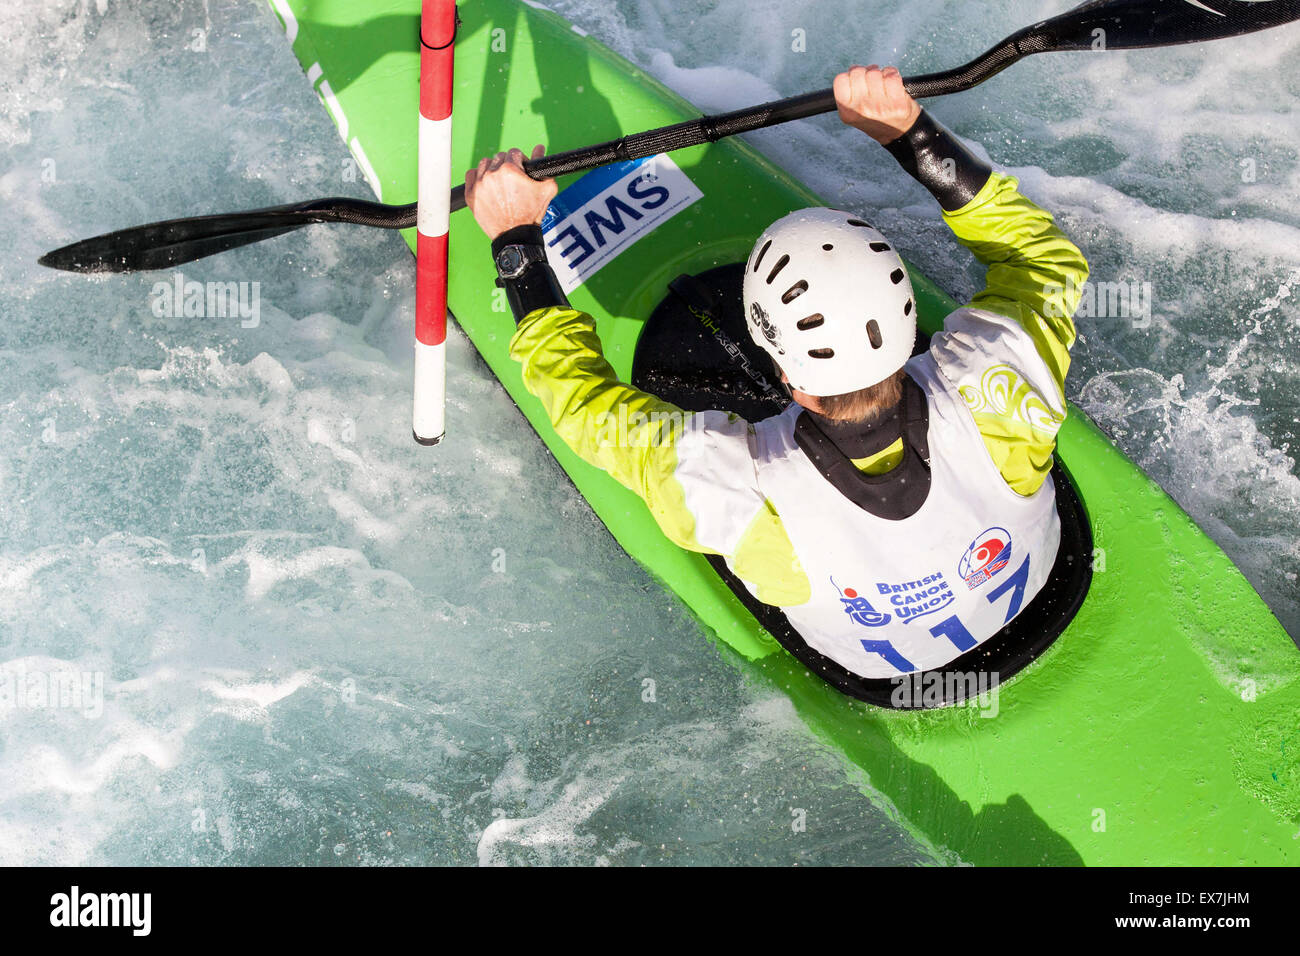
[{"x": 1154, "y": 721}]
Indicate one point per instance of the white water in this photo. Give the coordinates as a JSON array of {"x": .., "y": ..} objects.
[{"x": 319, "y": 643}]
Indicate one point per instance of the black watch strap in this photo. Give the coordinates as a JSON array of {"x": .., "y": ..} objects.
[
  {"x": 536, "y": 287},
  {"x": 939, "y": 162},
  {"x": 514, "y": 259}
]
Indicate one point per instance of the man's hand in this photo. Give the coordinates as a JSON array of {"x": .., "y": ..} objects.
[
  {"x": 874, "y": 101},
  {"x": 501, "y": 195}
]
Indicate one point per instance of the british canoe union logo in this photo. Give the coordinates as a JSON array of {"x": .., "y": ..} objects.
[
  {"x": 859, "y": 608},
  {"x": 988, "y": 554}
]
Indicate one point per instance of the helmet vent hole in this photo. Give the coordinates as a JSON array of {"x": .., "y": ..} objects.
[
  {"x": 828, "y": 247},
  {"x": 895, "y": 277},
  {"x": 780, "y": 264},
  {"x": 761, "y": 253},
  {"x": 814, "y": 320},
  {"x": 796, "y": 290},
  {"x": 879, "y": 247},
  {"x": 821, "y": 353},
  {"x": 860, "y": 222},
  {"x": 873, "y": 333},
  {"x": 907, "y": 308}
]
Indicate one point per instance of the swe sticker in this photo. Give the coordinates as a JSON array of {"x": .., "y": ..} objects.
[{"x": 609, "y": 209}]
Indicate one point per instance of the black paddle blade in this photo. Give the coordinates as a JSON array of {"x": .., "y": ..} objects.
[
  {"x": 160, "y": 245},
  {"x": 1133, "y": 24},
  {"x": 155, "y": 246}
]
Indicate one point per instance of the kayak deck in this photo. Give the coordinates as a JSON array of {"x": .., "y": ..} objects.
[{"x": 1159, "y": 728}]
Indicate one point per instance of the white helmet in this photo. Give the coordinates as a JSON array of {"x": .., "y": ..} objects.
[{"x": 829, "y": 299}]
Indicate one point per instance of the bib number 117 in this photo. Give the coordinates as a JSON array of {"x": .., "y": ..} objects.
[{"x": 952, "y": 627}]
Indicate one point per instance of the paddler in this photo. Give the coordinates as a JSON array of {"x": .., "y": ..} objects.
[{"x": 900, "y": 511}]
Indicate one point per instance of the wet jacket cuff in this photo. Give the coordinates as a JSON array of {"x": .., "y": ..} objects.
[
  {"x": 537, "y": 287},
  {"x": 940, "y": 163}
]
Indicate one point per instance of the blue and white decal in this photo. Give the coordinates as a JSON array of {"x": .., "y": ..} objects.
[
  {"x": 609, "y": 209},
  {"x": 988, "y": 554}
]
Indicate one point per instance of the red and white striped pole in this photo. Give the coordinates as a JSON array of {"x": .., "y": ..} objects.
[{"x": 437, "y": 46}]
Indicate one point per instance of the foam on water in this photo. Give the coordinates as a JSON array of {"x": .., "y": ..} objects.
[{"x": 320, "y": 643}]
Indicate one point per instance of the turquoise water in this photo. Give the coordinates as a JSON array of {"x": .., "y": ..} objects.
[{"x": 318, "y": 643}]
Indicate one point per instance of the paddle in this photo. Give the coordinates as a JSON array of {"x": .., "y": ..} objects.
[{"x": 1097, "y": 25}]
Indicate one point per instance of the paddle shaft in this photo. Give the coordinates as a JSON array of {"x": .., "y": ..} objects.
[
  {"x": 710, "y": 129},
  {"x": 1096, "y": 25}
]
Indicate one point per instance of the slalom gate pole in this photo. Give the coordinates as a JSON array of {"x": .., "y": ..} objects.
[{"x": 437, "y": 57}]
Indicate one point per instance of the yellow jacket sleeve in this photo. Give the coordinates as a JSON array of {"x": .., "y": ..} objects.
[
  {"x": 1034, "y": 279},
  {"x": 636, "y": 438}
]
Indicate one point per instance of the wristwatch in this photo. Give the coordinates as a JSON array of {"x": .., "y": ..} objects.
[{"x": 513, "y": 260}]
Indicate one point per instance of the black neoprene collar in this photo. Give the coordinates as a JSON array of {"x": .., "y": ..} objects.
[
  {"x": 900, "y": 492},
  {"x": 857, "y": 441}
]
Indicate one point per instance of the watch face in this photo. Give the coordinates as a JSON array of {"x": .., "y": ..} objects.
[{"x": 510, "y": 260}]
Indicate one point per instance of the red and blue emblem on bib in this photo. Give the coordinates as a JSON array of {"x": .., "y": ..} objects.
[
  {"x": 859, "y": 608},
  {"x": 988, "y": 554}
]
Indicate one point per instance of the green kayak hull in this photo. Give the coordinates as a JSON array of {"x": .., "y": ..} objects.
[{"x": 1159, "y": 729}]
